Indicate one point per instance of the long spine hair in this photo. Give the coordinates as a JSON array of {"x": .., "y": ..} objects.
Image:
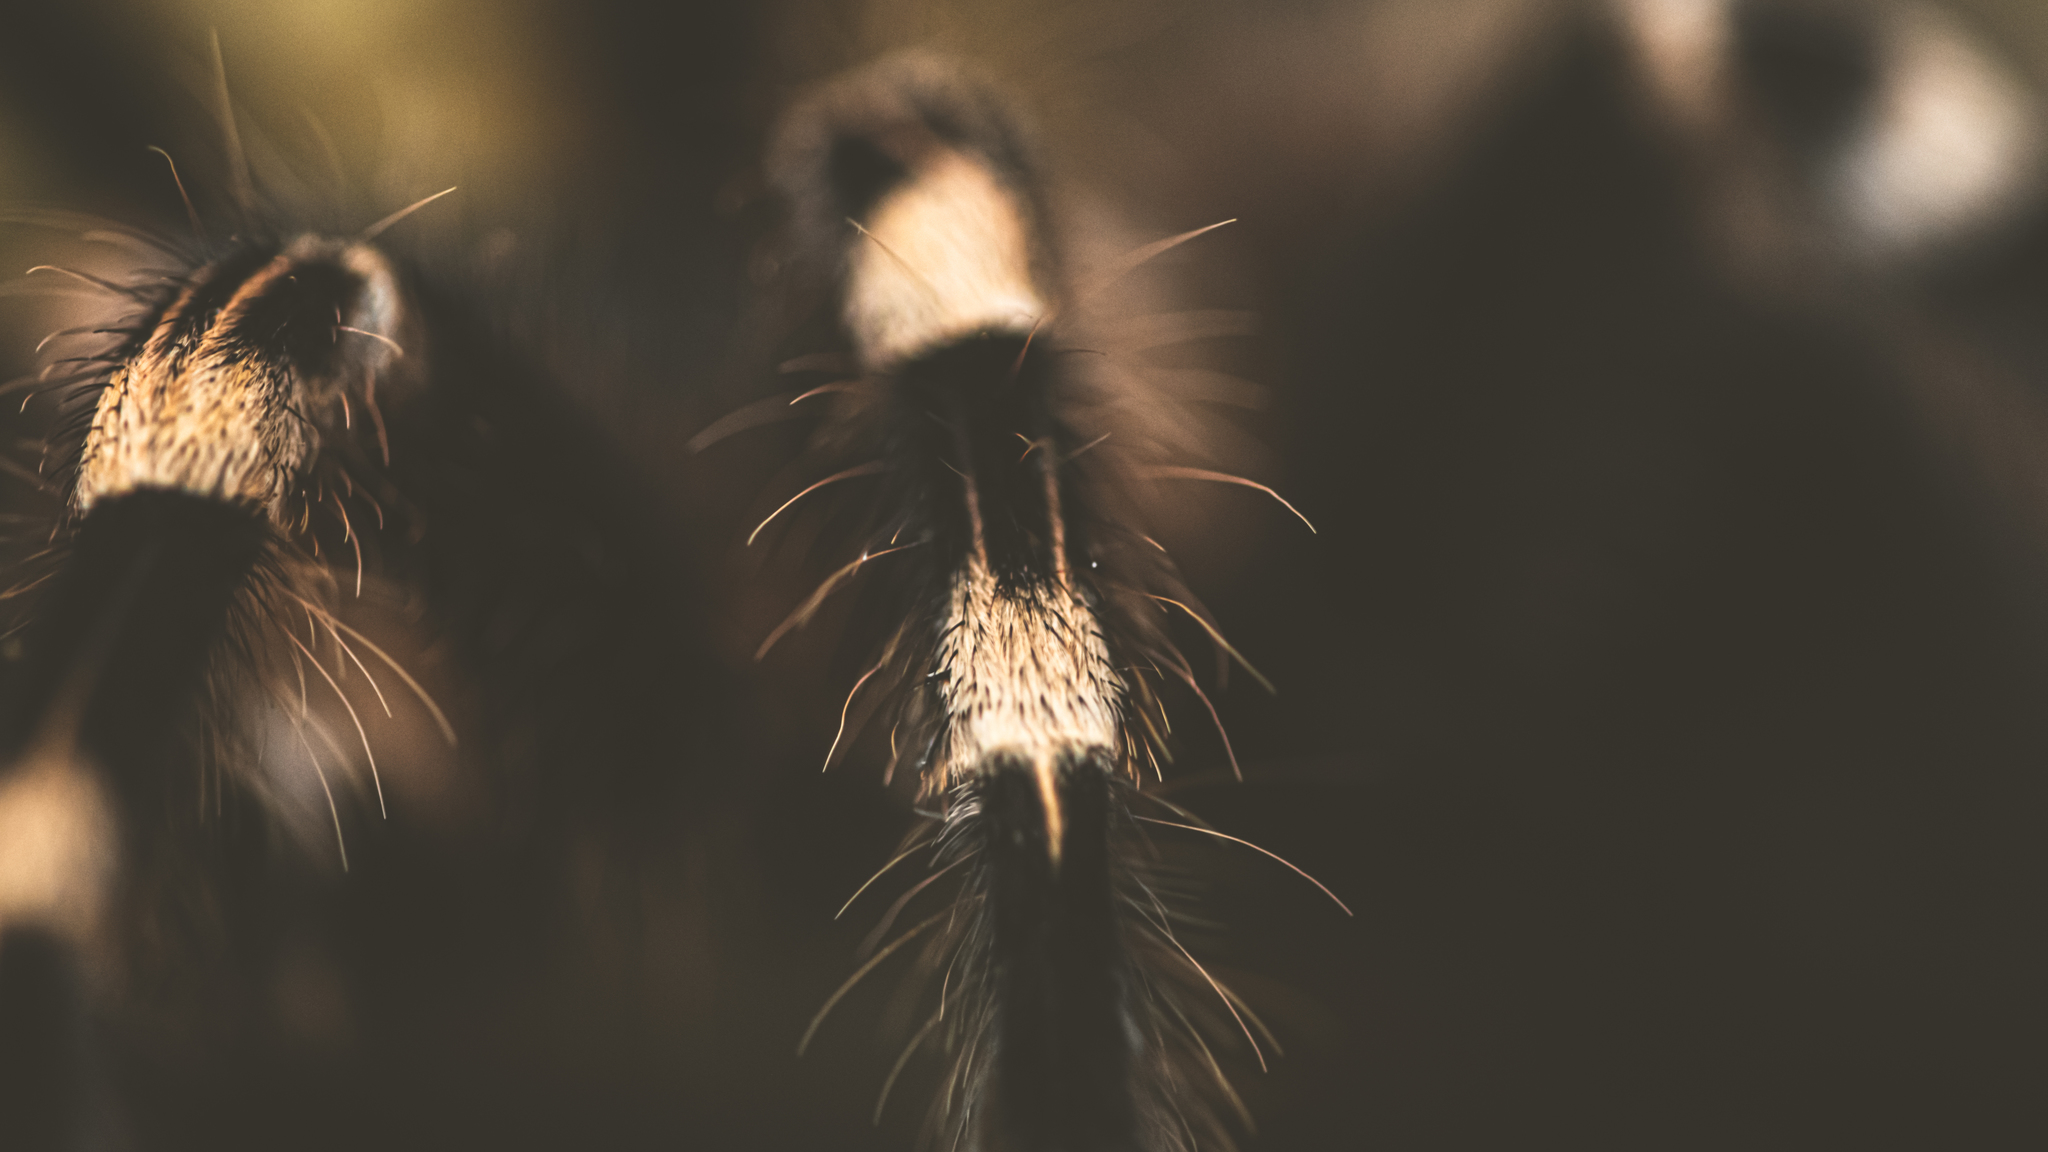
[
  {"x": 201, "y": 465},
  {"x": 203, "y": 453},
  {"x": 1022, "y": 675}
]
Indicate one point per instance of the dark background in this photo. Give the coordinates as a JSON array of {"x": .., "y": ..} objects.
[{"x": 1664, "y": 687}]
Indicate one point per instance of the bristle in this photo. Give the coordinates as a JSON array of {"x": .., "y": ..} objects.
[
  {"x": 198, "y": 443},
  {"x": 217, "y": 401},
  {"x": 1025, "y": 683},
  {"x": 1063, "y": 1051},
  {"x": 121, "y": 637},
  {"x": 1021, "y": 612}
]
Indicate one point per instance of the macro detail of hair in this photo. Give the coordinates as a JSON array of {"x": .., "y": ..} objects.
[
  {"x": 275, "y": 459},
  {"x": 1011, "y": 432},
  {"x": 735, "y": 626},
  {"x": 162, "y": 619},
  {"x": 170, "y": 605}
]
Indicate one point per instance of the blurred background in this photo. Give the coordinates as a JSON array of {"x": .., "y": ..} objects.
[{"x": 1666, "y": 687}]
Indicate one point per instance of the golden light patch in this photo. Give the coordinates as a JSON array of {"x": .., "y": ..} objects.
[
  {"x": 945, "y": 255},
  {"x": 57, "y": 847}
]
